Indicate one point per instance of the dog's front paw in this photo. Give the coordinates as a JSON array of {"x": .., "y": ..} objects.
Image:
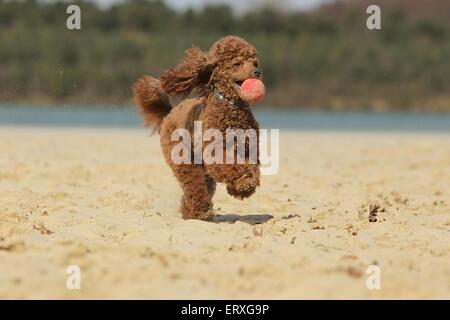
[{"x": 243, "y": 187}]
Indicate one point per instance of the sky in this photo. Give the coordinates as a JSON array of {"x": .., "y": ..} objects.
[{"x": 238, "y": 5}]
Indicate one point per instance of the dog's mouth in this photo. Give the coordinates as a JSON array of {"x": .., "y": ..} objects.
[
  {"x": 237, "y": 87},
  {"x": 250, "y": 90}
]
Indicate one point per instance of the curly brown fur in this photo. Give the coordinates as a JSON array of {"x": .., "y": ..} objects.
[{"x": 230, "y": 61}]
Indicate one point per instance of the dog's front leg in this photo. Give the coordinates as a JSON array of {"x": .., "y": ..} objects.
[
  {"x": 245, "y": 183},
  {"x": 241, "y": 179}
]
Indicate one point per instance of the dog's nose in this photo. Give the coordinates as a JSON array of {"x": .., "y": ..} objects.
[{"x": 257, "y": 73}]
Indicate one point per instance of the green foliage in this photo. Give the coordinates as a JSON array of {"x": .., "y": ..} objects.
[{"x": 322, "y": 59}]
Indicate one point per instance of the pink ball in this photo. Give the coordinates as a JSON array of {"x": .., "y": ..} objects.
[{"x": 253, "y": 90}]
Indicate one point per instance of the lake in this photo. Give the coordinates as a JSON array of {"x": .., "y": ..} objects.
[{"x": 293, "y": 120}]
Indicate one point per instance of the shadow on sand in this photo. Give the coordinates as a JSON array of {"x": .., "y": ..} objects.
[{"x": 250, "y": 218}]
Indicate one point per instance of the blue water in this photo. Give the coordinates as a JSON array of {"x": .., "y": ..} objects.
[{"x": 296, "y": 120}]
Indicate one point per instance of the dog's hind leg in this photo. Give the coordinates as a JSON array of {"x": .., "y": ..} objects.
[
  {"x": 196, "y": 202},
  {"x": 211, "y": 185},
  {"x": 197, "y": 187}
]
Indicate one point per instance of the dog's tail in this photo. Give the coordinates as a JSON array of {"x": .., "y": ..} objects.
[{"x": 152, "y": 101}]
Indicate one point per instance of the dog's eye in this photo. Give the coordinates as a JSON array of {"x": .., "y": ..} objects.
[
  {"x": 256, "y": 64},
  {"x": 237, "y": 64}
]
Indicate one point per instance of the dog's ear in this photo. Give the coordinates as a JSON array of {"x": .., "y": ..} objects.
[{"x": 193, "y": 72}]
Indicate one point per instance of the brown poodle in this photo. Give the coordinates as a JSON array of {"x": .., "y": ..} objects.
[{"x": 216, "y": 76}]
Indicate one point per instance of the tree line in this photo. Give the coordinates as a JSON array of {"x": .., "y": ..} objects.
[{"x": 323, "y": 59}]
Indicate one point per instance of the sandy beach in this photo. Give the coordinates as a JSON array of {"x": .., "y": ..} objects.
[{"x": 104, "y": 200}]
